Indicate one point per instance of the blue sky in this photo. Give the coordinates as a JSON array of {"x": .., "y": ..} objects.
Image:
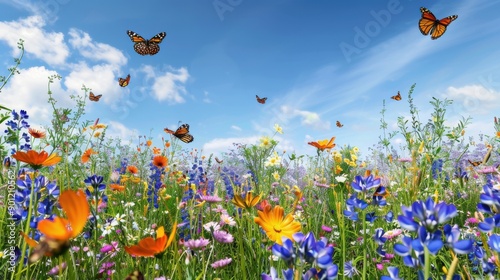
[{"x": 308, "y": 59}]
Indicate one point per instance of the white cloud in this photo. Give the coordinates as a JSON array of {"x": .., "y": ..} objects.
[
  {"x": 28, "y": 91},
  {"x": 120, "y": 131},
  {"x": 474, "y": 99},
  {"x": 308, "y": 118},
  {"x": 219, "y": 145},
  {"x": 95, "y": 51},
  {"x": 47, "y": 46},
  {"x": 169, "y": 86},
  {"x": 235, "y": 127}
]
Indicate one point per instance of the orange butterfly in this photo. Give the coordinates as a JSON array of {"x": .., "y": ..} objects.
[
  {"x": 143, "y": 46},
  {"x": 485, "y": 159},
  {"x": 261, "y": 100},
  {"x": 428, "y": 24},
  {"x": 93, "y": 97},
  {"x": 182, "y": 133},
  {"x": 124, "y": 82},
  {"x": 219, "y": 161},
  {"x": 396, "y": 97},
  {"x": 339, "y": 124}
]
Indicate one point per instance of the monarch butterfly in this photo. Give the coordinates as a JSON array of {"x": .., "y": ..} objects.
[
  {"x": 182, "y": 133},
  {"x": 428, "y": 24},
  {"x": 485, "y": 159},
  {"x": 124, "y": 82},
  {"x": 261, "y": 100},
  {"x": 93, "y": 97},
  {"x": 219, "y": 161},
  {"x": 339, "y": 124},
  {"x": 396, "y": 97},
  {"x": 143, "y": 46},
  {"x": 48, "y": 247}
]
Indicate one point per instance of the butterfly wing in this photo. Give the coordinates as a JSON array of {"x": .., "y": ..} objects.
[
  {"x": 124, "y": 82},
  {"x": 94, "y": 97},
  {"x": 474, "y": 163},
  {"x": 441, "y": 26},
  {"x": 136, "y": 38},
  {"x": 261, "y": 100},
  {"x": 181, "y": 133},
  {"x": 158, "y": 38},
  {"x": 339, "y": 124},
  {"x": 397, "y": 97},
  {"x": 219, "y": 161}
]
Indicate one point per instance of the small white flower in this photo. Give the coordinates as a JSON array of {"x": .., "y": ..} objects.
[
  {"x": 211, "y": 226},
  {"x": 225, "y": 219}
]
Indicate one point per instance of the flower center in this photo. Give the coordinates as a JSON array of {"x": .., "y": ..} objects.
[{"x": 277, "y": 228}]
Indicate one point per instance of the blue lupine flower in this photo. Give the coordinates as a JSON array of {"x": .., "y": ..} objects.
[
  {"x": 393, "y": 274},
  {"x": 437, "y": 168},
  {"x": 489, "y": 200},
  {"x": 431, "y": 240},
  {"x": 284, "y": 251},
  {"x": 489, "y": 224},
  {"x": 389, "y": 217},
  {"x": 364, "y": 184},
  {"x": 494, "y": 242},
  {"x": 378, "y": 237},
  {"x": 406, "y": 249},
  {"x": 426, "y": 214},
  {"x": 370, "y": 217},
  {"x": 350, "y": 270},
  {"x": 459, "y": 246}
]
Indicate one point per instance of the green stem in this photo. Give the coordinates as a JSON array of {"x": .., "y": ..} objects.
[
  {"x": 427, "y": 258},
  {"x": 365, "y": 264}
]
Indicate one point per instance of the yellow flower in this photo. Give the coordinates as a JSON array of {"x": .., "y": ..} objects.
[
  {"x": 338, "y": 169},
  {"x": 274, "y": 160},
  {"x": 265, "y": 142},
  {"x": 248, "y": 202},
  {"x": 498, "y": 134},
  {"x": 97, "y": 134},
  {"x": 421, "y": 147},
  {"x": 278, "y": 128},
  {"x": 276, "y": 175},
  {"x": 322, "y": 145},
  {"x": 276, "y": 224},
  {"x": 355, "y": 150}
]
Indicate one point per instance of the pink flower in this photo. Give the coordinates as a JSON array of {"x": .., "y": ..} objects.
[
  {"x": 196, "y": 243},
  {"x": 326, "y": 229},
  {"x": 55, "y": 269},
  {"x": 405, "y": 159},
  {"x": 211, "y": 198},
  {"x": 487, "y": 170},
  {"x": 223, "y": 237},
  {"x": 221, "y": 263}
]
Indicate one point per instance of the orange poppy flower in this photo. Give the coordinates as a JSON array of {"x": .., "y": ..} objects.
[
  {"x": 149, "y": 247},
  {"x": 117, "y": 187},
  {"x": 160, "y": 161},
  {"x": 149, "y": 142},
  {"x": 36, "y": 133},
  {"x": 275, "y": 224},
  {"x": 37, "y": 160},
  {"x": 86, "y": 155},
  {"x": 77, "y": 209},
  {"x": 156, "y": 151},
  {"x": 132, "y": 169},
  {"x": 322, "y": 145},
  {"x": 58, "y": 231}
]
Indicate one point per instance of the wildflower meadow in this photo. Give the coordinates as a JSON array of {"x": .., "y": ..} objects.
[{"x": 76, "y": 204}]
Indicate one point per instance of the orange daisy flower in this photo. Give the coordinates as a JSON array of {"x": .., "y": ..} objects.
[
  {"x": 149, "y": 247},
  {"x": 160, "y": 161},
  {"x": 275, "y": 224},
  {"x": 36, "y": 133},
  {"x": 322, "y": 145},
  {"x": 149, "y": 142},
  {"x": 156, "y": 151},
  {"x": 117, "y": 187},
  {"x": 86, "y": 155},
  {"x": 37, "y": 160},
  {"x": 132, "y": 169}
]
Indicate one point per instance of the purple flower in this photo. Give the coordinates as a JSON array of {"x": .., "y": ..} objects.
[
  {"x": 196, "y": 243},
  {"x": 211, "y": 198},
  {"x": 55, "y": 270},
  {"x": 364, "y": 184},
  {"x": 221, "y": 263},
  {"x": 223, "y": 236}
]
